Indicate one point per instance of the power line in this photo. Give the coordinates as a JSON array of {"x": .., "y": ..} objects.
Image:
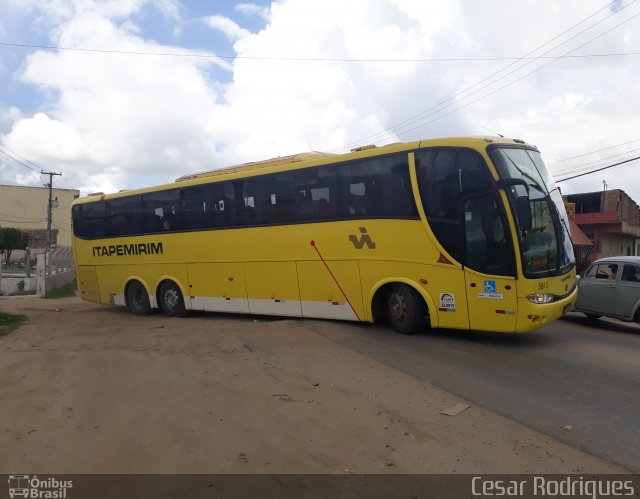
[
  {"x": 21, "y": 221},
  {"x": 599, "y": 169},
  {"x": 18, "y": 161},
  {"x": 20, "y": 217},
  {"x": 586, "y": 166},
  {"x": 42, "y": 170},
  {"x": 61, "y": 228},
  {"x": 303, "y": 59},
  {"x": 592, "y": 152},
  {"x": 21, "y": 157},
  {"x": 512, "y": 82},
  {"x": 398, "y": 128}
]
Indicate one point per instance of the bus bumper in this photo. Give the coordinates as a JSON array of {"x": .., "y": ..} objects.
[{"x": 532, "y": 316}]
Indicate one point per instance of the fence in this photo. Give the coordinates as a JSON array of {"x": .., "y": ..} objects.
[{"x": 53, "y": 269}]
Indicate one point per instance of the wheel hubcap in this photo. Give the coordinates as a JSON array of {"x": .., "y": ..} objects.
[
  {"x": 171, "y": 299},
  {"x": 397, "y": 307}
]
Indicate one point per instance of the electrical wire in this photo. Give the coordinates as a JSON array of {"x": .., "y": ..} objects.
[
  {"x": 20, "y": 217},
  {"x": 599, "y": 169},
  {"x": 592, "y": 152},
  {"x": 18, "y": 161},
  {"x": 398, "y": 127},
  {"x": 42, "y": 171},
  {"x": 302, "y": 59},
  {"x": 21, "y": 221},
  {"x": 596, "y": 163},
  {"x": 516, "y": 80}
]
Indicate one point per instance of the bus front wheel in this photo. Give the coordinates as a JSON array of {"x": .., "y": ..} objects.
[
  {"x": 406, "y": 312},
  {"x": 138, "y": 299},
  {"x": 171, "y": 299}
]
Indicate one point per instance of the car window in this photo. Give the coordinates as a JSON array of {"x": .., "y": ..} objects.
[
  {"x": 603, "y": 271},
  {"x": 631, "y": 273}
]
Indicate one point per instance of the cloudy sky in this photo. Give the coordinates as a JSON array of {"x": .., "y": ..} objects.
[{"x": 120, "y": 94}]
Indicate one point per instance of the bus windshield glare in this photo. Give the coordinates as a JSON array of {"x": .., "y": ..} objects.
[{"x": 544, "y": 239}]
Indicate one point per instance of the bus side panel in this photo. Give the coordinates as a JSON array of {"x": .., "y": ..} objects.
[
  {"x": 218, "y": 287},
  {"x": 88, "y": 283},
  {"x": 320, "y": 294},
  {"x": 272, "y": 288},
  {"x": 444, "y": 283}
]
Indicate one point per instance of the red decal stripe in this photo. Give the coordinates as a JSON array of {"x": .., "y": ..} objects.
[{"x": 313, "y": 243}]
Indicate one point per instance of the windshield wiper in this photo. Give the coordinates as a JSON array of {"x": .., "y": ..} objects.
[{"x": 535, "y": 184}]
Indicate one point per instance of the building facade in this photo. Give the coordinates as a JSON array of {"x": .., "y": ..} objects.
[
  {"x": 611, "y": 221},
  {"x": 26, "y": 208}
]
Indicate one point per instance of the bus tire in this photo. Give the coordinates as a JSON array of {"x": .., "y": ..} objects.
[
  {"x": 171, "y": 300},
  {"x": 405, "y": 310},
  {"x": 138, "y": 299}
]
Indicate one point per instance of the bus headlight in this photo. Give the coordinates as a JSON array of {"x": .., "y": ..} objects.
[{"x": 541, "y": 298}]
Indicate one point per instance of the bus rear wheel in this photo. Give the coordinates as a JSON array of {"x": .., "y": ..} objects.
[
  {"x": 406, "y": 312},
  {"x": 171, "y": 299},
  {"x": 138, "y": 299}
]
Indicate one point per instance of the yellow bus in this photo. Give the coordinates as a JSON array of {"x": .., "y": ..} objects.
[{"x": 463, "y": 233}]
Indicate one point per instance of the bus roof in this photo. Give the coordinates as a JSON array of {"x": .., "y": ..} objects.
[
  {"x": 312, "y": 158},
  {"x": 255, "y": 165}
]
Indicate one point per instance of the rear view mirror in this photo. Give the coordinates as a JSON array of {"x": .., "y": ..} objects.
[{"x": 524, "y": 213}]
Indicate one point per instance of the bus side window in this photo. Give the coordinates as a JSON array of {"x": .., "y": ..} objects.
[
  {"x": 378, "y": 187},
  {"x": 218, "y": 199},
  {"x": 89, "y": 220},
  {"x": 445, "y": 176},
  {"x": 254, "y": 200},
  {"x": 160, "y": 211},
  {"x": 192, "y": 209},
  {"x": 316, "y": 193},
  {"x": 281, "y": 199},
  {"x": 123, "y": 216}
]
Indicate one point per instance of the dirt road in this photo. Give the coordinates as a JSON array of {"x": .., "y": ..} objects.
[{"x": 93, "y": 389}]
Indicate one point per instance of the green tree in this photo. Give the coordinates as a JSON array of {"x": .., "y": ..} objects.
[{"x": 10, "y": 239}]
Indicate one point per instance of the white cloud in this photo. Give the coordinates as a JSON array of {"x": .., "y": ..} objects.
[
  {"x": 225, "y": 25},
  {"x": 115, "y": 121},
  {"x": 251, "y": 9},
  {"x": 8, "y": 116}
]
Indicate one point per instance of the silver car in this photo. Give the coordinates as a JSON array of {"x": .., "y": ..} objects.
[{"x": 611, "y": 287}]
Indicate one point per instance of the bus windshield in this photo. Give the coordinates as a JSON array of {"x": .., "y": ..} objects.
[{"x": 544, "y": 239}]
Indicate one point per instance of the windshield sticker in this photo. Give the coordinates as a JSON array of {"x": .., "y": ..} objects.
[{"x": 447, "y": 302}]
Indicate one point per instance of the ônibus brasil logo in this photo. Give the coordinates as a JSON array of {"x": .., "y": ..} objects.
[{"x": 34, "y": 487}]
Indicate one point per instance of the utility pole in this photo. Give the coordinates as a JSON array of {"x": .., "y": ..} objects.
[{"x": 49, "y": 205}]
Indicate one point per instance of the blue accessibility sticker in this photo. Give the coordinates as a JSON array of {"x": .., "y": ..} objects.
[{"x": 490, "y": 286}]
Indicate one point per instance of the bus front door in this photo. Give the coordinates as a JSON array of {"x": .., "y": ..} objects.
[{"x": 489, "y": 266}]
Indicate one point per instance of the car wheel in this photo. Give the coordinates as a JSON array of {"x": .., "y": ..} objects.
[
  {"x": 171, "y": 299},
  {"x": 593, "y": 317},
  {"x": 406, "y": 312},
  {"x": 138, "y": 299}
]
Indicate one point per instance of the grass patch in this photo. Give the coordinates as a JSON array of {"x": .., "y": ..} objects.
[
  {"x": 9, "y": 322},
  {"x": 65, "y": 291}
]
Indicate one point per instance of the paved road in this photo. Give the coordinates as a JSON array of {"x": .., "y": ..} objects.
[{"x": 574, "y": 372}]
